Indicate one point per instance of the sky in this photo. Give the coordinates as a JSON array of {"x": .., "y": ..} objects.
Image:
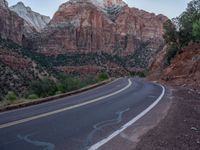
[{"x": 170, "y": 8}]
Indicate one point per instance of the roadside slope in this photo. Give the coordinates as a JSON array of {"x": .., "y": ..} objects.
[{"x": 180, "y": 128}]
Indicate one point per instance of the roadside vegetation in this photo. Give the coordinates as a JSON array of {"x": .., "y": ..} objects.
[
  {"x": 65, "y": 83},
  {"x": 181, "y": 31},
  {"x": 51, "y": 86}
]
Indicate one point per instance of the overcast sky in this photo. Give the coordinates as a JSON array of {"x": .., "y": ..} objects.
[{"x": 170, "y": 8}]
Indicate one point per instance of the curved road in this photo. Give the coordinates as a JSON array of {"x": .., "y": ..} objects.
[{"x": 79, "y": 122}]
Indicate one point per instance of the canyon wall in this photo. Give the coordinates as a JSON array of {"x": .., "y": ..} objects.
[{"x": 85, "y": 26}]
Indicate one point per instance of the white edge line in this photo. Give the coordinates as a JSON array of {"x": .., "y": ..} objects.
[
  {"x": 64, "y": 109},
  {"x": 131, "y": 122}
]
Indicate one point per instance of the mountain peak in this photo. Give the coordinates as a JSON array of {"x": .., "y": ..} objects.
[
  {"x": 20, "y": 4},
  {"x": 102, "y": 3},
  {"x": 32, "y": 18},
  {"x": 111, "y": 8},
  {"x": 114, "y": 2},
  {"x": 108, "y": 3}
]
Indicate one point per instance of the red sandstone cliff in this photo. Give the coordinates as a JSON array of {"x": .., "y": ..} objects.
[
  {"x": 85, "y": 26},
  {"x": 11, "y": 25}
]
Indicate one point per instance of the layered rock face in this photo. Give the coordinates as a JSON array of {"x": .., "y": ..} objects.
[
  {"x": 11, "y": 25},
  {"x": 32, "y": 19},
  {"x": 4, "y": 3},
  {"x": 99, "y": 26}
]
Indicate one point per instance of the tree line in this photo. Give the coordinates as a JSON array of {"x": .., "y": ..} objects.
[{"x": 182, "y": 30}]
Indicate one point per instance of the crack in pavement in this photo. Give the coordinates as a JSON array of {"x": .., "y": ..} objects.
[
  {"x": 45, "y": 145},
  {"x": 99, "y": 127}
]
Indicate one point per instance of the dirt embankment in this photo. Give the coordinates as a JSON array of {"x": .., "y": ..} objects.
[
  {"x": 180, "y": 130},
  {"x": 185, "y": 69}
]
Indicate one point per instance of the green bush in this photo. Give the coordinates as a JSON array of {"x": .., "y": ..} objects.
[
  {"x": 196, "y": 29},
  {"x": 11, "y": 96},
  {"x": 43, "y": 88},
  {"x": 103, "y": 76},
  {"x": 33, "y": 96},
  {"x": 58, "y": 92},
  {"x": 65, "y": 83},
  {"x": 141, "y": 74},
  {"x": 171, "y": 53}
]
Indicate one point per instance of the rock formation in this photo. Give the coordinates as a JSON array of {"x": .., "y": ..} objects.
[
  {"x": 32, "y": 19},
  {"x": 11, "y": 25},
  {"x": 108, "y": 26},
  {"x": 4, "y": 4}
]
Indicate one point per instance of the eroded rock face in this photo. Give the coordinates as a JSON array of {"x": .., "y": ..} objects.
[
  {"x": 32, "y": 19},
  {"x": 11, "y": 25},
  {"x": 185, "y": 68},
  {"x": 83, "y": 26},
  {"x": 4, "y": 3}
]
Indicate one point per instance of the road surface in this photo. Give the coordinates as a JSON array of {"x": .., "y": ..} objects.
[{"x": 79, "y": 122}]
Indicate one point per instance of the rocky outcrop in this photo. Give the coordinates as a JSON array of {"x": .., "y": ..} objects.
[
  {"x": 32, "y": 19},
  {"x": 11, "y": 25},
  {"x": 4, "y": 3},
  {"x": 102, "y": 4},
  {"x": 85, "y": 26},
  {"x": 158, "y": 65}
]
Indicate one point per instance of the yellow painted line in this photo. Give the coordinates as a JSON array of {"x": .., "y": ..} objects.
[{"x": 64, "y": 109}]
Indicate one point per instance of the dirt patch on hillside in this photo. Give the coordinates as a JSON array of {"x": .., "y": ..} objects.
[
  {"x": 183, "y": 71},
  {"x": 180, "y": 130},
  {"x": 185, "y": 68}
]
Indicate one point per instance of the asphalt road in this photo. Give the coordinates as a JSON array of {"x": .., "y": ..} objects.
[{"x": 79, "y": 121}]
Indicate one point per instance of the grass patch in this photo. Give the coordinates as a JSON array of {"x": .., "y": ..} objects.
[{"x": 11, "y": 96}]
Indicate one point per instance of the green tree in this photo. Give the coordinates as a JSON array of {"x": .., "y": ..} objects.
[
  {"x": 171, "y": 53},
  {"x": 186, "y": 20},
  {"x": 196, "y": 29},
  {"x": 170, "y": 33},
  {"x": 183, "y": 29}
]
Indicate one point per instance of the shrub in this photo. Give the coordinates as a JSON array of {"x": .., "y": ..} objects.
[
  {"x": 103, "y": 76},
  {"x": 11, "y": 96},
  {"x": 196, "y": 29},
  {"x": 65, "y": 83},
  {"x": 43, "y": 88},
  {"x": 171, "y": 53},
  {"x": 141, "y": 74},
  {"x": 58, "y": 92},
  {"x": 33, "y": 96}
]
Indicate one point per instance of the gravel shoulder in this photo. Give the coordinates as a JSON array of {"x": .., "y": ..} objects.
[{"x": 180, "y": 129}]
